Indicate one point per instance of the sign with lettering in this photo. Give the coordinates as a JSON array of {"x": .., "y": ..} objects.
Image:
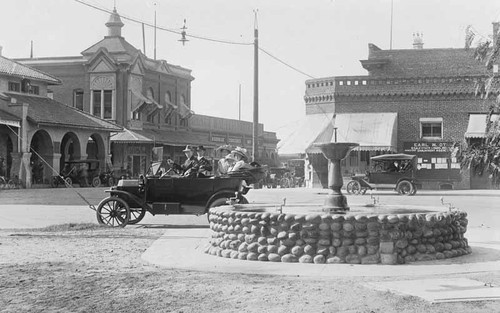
[
  {"x": 216, "y": 138},
  {"x": 234, "y": 140},
  {"x": 427, "y": 147}
]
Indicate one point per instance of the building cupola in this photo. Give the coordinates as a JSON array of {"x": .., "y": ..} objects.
[
  {"x": 114, "y": 25},
  {"x": 418, "y": 41}
]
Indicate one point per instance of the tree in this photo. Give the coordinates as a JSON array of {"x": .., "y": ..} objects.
[{"x": 484, "y": 156}]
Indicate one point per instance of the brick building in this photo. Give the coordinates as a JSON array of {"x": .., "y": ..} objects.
[
  {"x": 416, "y": 101},
  {"x": 150, "y": 98},
  {"x": 38, "y": 135}
]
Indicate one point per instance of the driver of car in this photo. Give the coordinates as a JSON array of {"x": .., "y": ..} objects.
[{"x": 186, "y": 169}]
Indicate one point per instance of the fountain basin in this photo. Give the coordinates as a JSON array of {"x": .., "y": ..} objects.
[{"x": 366, "y": 235}]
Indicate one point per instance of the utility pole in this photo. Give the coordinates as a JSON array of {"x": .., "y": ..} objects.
[
  {"x": 392, "y": 10},
  {"x": 239, "y": 103},
  {"x": 255, "y": 91},
  {"x": 143, "y": 40},
  {"x": 155, "y": 35}
]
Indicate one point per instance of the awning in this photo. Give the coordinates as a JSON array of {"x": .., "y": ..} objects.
[
  {"x": 9, "y": 119},
  {"x": 303, "y": 134},
  {"x": 477, "y": 125},
  {"x": 129, "y": 136},
  {"x": 143, "y": 100},
  {"x": 373, "y": 131}
]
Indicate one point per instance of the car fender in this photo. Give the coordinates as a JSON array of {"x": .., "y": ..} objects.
[
  {"x": 135, "y": 198},
  {"x": 220, "y": 194}
]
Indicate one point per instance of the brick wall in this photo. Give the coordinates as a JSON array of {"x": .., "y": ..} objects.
[
  {"x": 73, "y": 76},
  {"x": 453, "y": 109}
]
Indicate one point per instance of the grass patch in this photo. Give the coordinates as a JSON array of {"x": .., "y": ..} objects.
[{"x": 72, "y": 227}]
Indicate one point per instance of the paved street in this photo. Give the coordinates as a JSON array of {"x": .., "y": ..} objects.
[{"x": 43, "y": 207}]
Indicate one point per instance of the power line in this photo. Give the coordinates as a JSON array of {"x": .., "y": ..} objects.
[
  {"x": 164, "y": 28},
  {"x": 193, "y": 36},
  {"x": 284, "y": 63}
]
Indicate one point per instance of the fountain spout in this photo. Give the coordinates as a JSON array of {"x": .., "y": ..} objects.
[{"x": 335, "y": 201}]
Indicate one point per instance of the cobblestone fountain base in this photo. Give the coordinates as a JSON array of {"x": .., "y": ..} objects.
[{"x": 356, "y": 238}]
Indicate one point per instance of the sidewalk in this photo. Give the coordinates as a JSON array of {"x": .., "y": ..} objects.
[{"x": 183, "y": 249}]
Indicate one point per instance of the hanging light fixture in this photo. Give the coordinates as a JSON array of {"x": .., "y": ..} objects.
[{"x": 183, "y": 34}]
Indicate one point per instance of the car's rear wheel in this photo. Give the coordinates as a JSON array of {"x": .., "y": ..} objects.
[
  {"x": 113, "y": 211},
  {"x": 353, "y": 187},
  {"x": 217, "y": 202},
  {"x": 405, "y": 188},
  {"x": 68, "y": 182},
  {"x": 96, "y": 182}
]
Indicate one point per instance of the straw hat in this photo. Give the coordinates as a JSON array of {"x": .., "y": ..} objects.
[
  {"x": 227, "y": 148},
  {"x": 201, "y": 148},
  {"x": 241, "y": 152}
]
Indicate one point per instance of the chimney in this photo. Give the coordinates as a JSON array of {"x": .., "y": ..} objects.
[{"x": 418, "y": 41}]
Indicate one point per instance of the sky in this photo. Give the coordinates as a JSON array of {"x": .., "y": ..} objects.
[{"x": 321, "y": 38}]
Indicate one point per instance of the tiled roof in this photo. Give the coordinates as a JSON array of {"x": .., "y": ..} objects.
[
  {"x": 48, "y": 111},
  {"x": 9, "y": 119},
  {"x": 422, "y": 62},
  {"x": 13, "y": 68},
  {"x": 129, "y": 136},
  {"x": 113, "y": 45},
  {"x": 176, "y": 138}
]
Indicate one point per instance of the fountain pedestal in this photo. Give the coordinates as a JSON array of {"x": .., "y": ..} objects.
[{"x": 335, "y": 201}]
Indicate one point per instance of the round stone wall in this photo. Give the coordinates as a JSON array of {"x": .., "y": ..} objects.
[{"x": 351, "y": 238}]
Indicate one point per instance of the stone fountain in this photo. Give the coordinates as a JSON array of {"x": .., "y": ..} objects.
[
  {"x": 335, "y": 232},
  {"x": 335, "y": 152}
]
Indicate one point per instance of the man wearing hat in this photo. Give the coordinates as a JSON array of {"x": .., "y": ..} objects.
[
  {"x": 186, "y": 169},
  {"x": 203, "y": 166}
]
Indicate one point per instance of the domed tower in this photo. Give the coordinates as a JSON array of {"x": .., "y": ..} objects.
[
  {"x": 418, "y": 41},
  {"x": 114, "y": 25}
]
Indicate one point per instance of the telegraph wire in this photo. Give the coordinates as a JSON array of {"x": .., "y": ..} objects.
[
  {"x": 194, "y": 36},
  {"x": 286, "y": 64},
  {"x": 164, "y": 28}
]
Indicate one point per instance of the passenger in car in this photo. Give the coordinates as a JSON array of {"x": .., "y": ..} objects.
[
  {"x": 226, "y": 160},
  {"x": 203, "y": 166},
  {"x": 241, "y": 160}
]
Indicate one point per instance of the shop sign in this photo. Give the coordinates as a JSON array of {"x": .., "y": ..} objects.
[
  {"x": 427, "y": 147},
  {"x": 234, "y": 140},
  {"x": 216, "y": 138},
  {"x": 136, "y": 149}
]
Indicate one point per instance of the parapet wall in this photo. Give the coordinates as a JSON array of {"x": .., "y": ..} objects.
[{"x": 354, "y": 239}]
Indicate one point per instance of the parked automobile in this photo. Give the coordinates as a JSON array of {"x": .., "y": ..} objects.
[
  {"x": 390, "y": 171},
  {"x": 83, "y": 172},
  {"x": 170, "y": 194}
]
